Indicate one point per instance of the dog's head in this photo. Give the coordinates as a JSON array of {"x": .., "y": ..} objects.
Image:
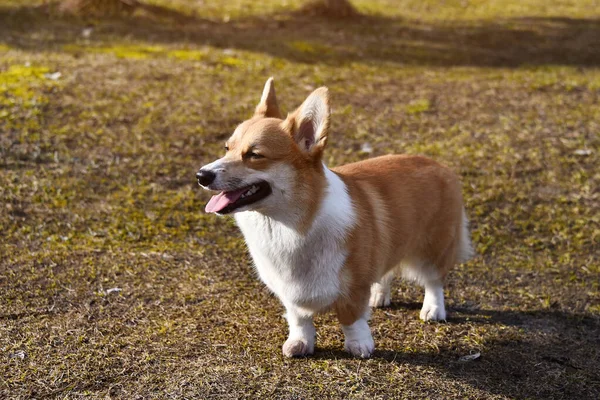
[{"x": 270, "y": 162}]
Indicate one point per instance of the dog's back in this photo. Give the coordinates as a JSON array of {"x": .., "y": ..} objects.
[
  {"x": 409, "y": 207},
  {"x": 410, "y": 215}
]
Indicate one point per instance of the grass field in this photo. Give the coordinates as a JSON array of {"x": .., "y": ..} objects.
[{"x": 115, "y": 284}]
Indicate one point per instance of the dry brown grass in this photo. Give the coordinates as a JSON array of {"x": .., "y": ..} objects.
[{"x": 97, "y": 186}]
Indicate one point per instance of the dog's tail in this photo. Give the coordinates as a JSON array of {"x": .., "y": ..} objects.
[{"x": 465, "y": 247}]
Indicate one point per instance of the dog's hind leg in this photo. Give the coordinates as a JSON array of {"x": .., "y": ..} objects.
[
  {"x": 381, "y": 291},
  {"x": 433, "y": 303},
  {"x": 432, "y": 279},
  {"x": 428, "y": 276}
]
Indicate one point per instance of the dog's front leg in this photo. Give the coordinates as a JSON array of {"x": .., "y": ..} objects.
[
  {"x": 354, "y": 317},
  {"x": 358, "y": 339},
  {"x": 301, "y": 340}
]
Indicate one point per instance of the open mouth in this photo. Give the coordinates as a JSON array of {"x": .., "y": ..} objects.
[{"x": 226, "y": 202}]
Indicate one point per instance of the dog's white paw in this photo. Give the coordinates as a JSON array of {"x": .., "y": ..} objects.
[
  {"x": 433, "y": 303},
  {"x": 433, "y": 312},
  {"x": 358, "y": 339},
  {"x": 380, "y": 298},
  {"x": 360, "y": 348},
  {"x": 297, "y": 348}
]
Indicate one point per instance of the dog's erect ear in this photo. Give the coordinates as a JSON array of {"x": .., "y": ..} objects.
[
  {"x": 309, "y": 124},
  {"x": 268, "y": 107}
]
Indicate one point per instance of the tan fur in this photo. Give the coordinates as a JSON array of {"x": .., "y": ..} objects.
[
  {"x": 409, "y": 207},
  {"x": 269, "y": 136}
]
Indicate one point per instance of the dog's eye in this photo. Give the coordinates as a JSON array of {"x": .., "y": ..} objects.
[
  {"x": 226, "y": 148},
  {"x": 254, "y": 155}
]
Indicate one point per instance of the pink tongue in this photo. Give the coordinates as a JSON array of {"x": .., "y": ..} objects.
[{"x": 222, "y": 200}]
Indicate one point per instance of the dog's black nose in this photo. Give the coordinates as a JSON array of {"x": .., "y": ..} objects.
[{"x": 205, "y": 177}]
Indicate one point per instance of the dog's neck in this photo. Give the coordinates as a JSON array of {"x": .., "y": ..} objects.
[{"x": 322, "y": 198}]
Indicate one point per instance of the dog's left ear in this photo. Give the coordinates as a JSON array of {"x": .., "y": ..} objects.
[
  {"x": 267, "y": 107},
  {"x": 309, "y": 124}
]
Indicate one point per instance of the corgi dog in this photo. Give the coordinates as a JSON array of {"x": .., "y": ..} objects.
[{"x": 333, "y": 239}]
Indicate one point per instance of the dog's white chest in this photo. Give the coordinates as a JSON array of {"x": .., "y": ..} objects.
[{"x": 302, "y": 269}]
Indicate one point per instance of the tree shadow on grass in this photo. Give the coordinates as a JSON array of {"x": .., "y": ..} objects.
[
  {"x": 305, "y": 38},
  {"x": 556, "y": 356}
]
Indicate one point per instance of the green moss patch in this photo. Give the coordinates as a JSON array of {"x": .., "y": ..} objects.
[{"x": 19, "y": 83}]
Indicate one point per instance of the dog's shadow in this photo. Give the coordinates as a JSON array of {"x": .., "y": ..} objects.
[{"x": 538, "y": 355}]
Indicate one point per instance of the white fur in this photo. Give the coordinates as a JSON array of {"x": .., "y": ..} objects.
[
  {"x": 426, "y": 275},
  {"x": 381, "y": 295},
  {"x": 465, "y": 247},
  {"x": 358, "y": 339},
  {"x": 419, "y": 272},
  {"x": 433, "y": 304},
  {"x": 301, "y": 340},
  {"x": 303, "y": 270}
]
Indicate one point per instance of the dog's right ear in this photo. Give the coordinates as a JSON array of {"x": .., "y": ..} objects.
[{"x": 268, "y": 108}]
